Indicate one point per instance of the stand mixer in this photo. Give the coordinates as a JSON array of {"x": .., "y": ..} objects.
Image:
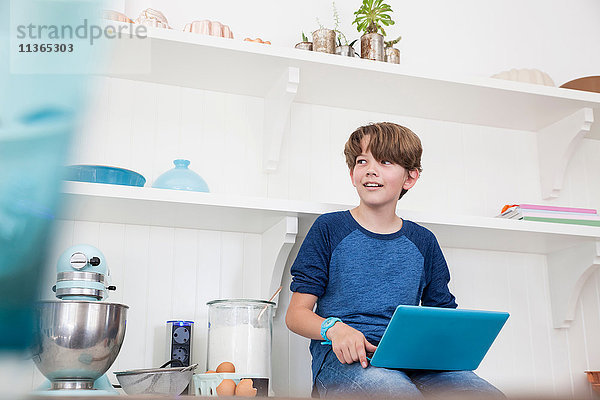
[{"x": 78, "y": 337}]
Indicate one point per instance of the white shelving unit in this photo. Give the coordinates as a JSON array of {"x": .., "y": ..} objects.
[
  {"x": 563, "y": 117},
  {"x": 210, "y": 211},
  {"x": 573, "y": 251}
]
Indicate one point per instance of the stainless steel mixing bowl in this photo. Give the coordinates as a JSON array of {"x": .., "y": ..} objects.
[{"x": 76, "y": 342}]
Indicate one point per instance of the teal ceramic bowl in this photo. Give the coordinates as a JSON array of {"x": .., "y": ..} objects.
[{"x": 104, "y": 174}]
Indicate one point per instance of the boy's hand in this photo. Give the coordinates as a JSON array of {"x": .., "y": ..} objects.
[{"x": 349, "y": 344}]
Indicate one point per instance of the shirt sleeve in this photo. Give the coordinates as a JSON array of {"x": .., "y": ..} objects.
[
  {"x": 436, "y": 292},
  {"x": 310, "y": 271}
]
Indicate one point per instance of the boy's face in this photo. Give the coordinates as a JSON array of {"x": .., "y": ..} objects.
[{"x": 379, "y": 182}]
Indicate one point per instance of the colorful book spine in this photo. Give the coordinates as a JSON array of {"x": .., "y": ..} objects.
[
  {"x": 555, "y": 208},
  {"x": 559, "y": 215},
  {"x": 552, "y": 214},
  {"x": 564, "y": 221}
]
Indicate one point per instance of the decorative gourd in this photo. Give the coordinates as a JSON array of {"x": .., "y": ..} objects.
[
  {"x": 212, "y": 28},
  {"x": 526, "y": 75},
  {"x": 257, "y": 40},
  {"x": 116, "y": 16},
  {"x": 153, "y": 18}
]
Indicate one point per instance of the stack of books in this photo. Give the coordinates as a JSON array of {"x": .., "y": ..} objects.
[{"x": 561, "y": 215}]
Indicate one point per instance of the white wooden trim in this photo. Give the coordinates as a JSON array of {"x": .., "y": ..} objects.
[
  {"x": 556, "y": 145},
  {"x": 278, "y": 103},
  {"x": 277, "y": 242},
  {"x": 568, "y": 270}
]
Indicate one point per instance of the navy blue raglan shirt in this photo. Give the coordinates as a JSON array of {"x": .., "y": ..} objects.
[{"x": 360, "y": 276}]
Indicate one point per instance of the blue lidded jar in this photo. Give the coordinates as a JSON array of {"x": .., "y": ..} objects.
[{"x": 181, "y": 178}]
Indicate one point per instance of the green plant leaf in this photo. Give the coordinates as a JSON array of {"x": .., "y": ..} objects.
[
  {"x": 391, "y": 43},
  {"x": 372, "y": 15}
]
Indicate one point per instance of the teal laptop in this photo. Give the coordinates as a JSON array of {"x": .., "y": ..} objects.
[{"x": 437, "y": 338}]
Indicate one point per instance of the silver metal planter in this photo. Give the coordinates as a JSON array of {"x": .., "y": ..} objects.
[
  {"x": 304, "y": 46},
  {"x": 392, "y": 55},
  {"x": 371, "y": 46},
  {"x": 345, "y": 50},
  {"x": 324, "y": 40}
]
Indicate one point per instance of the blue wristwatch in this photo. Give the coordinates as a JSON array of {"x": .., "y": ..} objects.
[{"x": 328, "y": 323}]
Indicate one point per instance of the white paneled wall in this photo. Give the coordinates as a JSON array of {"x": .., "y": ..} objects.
[{"x": 164, "y": 273}]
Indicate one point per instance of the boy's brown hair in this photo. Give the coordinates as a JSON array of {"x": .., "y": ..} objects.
[{"x": 387, "y": 141}]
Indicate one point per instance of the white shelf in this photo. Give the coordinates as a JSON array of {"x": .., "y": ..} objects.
[
  {"x": 180, "y": 209},
  {"x": 172, "y": 208},
  {"x": 234, "y": 66},
  {"x": 280, "y": 75},
  {"x": 573, "y": 251}
]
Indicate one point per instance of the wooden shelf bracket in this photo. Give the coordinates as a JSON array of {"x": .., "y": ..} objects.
[
  {"x": 557, "y": 144},
  {"x": 567, "y": 272},
  {"x": 278, "y": 102},
  {"x": 277, "y": 242}
]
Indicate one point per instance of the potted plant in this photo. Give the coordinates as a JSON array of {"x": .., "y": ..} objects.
[
  {"x": 370, "y": 19},
  {"x": 323, "y": 39},
  {"x": 304, "y": 44},
  {"x": 392, "y": 55},
  {"x": 343, "y": 47}
]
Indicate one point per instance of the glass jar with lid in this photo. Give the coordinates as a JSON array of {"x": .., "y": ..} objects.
[{"x": 240, "y": 332}]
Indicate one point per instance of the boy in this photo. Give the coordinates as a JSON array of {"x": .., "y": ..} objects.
[{"x": 358, "y": 265}]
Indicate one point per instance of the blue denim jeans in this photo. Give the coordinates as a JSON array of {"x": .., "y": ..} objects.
[{"x": 345, "y": 380}]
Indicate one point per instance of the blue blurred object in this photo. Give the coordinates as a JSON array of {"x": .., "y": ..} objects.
[
  {"x": 38, "y": 116},
  {"x": 104, "y": 174},
  {"x": 181, "y": 178},
  {"x": 30, "y": 158}
]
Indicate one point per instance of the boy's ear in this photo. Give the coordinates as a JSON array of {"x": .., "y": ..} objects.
[
  {"x": 352, "y": 176},
  {"x": 410, "y": 181}
]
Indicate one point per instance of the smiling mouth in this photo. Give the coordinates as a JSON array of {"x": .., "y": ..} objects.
[{"x": 372, "y": 185}]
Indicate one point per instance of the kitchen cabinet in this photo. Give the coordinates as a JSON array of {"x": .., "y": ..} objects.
[{"x": 561, "y": 118}]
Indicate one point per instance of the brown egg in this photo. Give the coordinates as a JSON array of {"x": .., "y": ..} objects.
[
  {"x": 245, "y": 389},
  {"x": 226, "y": 367},
  {"x": 226, "y": 388},
  {"x": 210, "y": 371}
]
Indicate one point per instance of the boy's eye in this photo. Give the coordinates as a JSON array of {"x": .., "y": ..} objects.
[
  {"x": 361, "y": 161},
  {"x": 386, "y": 162}
]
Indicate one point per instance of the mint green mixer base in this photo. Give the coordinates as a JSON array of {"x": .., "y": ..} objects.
[{"x": 102, "y": 387}]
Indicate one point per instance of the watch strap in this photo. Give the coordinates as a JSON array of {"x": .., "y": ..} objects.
[{"x": 325, "y": 326}]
